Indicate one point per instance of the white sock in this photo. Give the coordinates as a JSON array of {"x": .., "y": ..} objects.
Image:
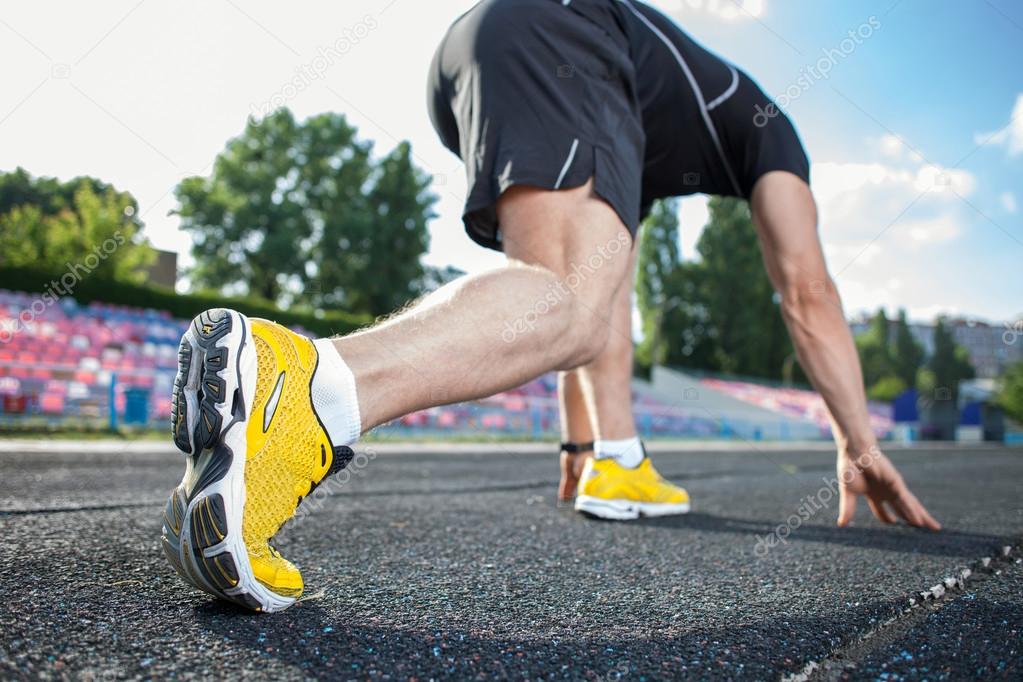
[
  {"x": 628, "y": 452},
  {"x": 334, "y": 395}
]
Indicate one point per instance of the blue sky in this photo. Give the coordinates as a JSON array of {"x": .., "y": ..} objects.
[
  {"x": 910, "y": 103},
  {"x": 915, "y": 211}
]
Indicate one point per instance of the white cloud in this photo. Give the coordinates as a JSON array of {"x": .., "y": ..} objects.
[
  {"x": 873, "y": 215},
  {"x": 891, "y": 146},
  {"x": 1008, "y": 202},
  {"x": 837, "y": 254},
  {"x": 894, "y": 147},
  {"x": 693, "y": 216},
  {"x": 844, "y": 183},
  {"x": 941, "y": 228},
  {"x": 946, "y": 181},
  {"x": 889, "y": 227},
  {"x": 1011, "y": 136},
  {"x": 931, "y": 312}
]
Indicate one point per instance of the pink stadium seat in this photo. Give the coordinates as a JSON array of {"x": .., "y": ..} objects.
[
  {"x": 494, "y": 421},
  {"x": 51, "y": 403},
  {"x": 87, "y": 378},
  {"x": 58, "y": 387},
  {"x": 162, "y": 407}
]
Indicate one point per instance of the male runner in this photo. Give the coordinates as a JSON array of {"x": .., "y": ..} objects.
[{"x": 571, "y": 116}]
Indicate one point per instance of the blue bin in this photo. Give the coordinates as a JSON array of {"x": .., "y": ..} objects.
[{"x": 136, "y": 406}]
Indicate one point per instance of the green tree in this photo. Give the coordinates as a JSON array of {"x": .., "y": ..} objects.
[
  {"x": 1010, "y": 392},
  {"x": 907, "y": 354},
  {"x": 718, "y": 312},
  {"x": 887, "y": 388},
  {"x": 675, "y": 329},
  {"x": 371, "y": 263},
  {"x": 948, "y": 365},
  {"x": 890, "y": 365},
  {"x": 657, "y": 260},
  {"x": 300, "y": 213},
  {"x": 55, "y": 226},
  {"x": 749, "y": 332},
  {"x": 436, "y": 277},
  {"x": 51, "y": 196},
  {"x": 875, "y": 350}
]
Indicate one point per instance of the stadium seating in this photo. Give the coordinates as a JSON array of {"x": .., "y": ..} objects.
[
  {"x": 60, "y": 360},
  {"x": 795, "y": 402}
]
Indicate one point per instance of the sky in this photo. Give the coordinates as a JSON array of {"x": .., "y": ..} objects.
[{"x": 914, "y": 129}]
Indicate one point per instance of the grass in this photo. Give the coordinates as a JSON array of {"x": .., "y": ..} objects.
[
  {"x": 46, "y": 432},
  {"x": 24, "y": 429}
]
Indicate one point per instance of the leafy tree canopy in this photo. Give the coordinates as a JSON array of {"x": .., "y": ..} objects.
[
  {"x": 1010, "y": 392},
  {"x": 719, "y": 312},
  {"x": 950, "y": 363},
  {"x": 55, "y": 226},
  {"x": 302, "y": 213}
]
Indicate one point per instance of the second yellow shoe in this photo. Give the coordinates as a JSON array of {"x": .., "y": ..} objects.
[{"x": 610, "y": 491}]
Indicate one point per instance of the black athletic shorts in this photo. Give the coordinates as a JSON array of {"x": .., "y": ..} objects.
[{"x": 551, "y": 93}]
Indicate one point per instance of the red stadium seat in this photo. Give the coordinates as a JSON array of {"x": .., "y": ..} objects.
[{"x": 15, "y": 404}]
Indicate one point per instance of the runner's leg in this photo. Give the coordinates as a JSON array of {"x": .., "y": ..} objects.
[{"x": 490, "y": 332}]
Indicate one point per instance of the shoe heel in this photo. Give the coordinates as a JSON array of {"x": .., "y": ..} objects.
[
  {"x": 170, "y": 538},
  {"x": 208, "y": 530},
  {"x": 211, "y": 555}
]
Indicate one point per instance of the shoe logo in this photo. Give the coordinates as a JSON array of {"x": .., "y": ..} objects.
[{"x": 271, "y": 405}]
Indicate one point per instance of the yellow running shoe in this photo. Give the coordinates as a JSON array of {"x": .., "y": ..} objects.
[
  {"x": 242, "y": 411},
  {"x": 608, "y": 490}
]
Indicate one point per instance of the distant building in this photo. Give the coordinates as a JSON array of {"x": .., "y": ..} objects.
[
  {"x": 164, "y": 270},
  {"x": 992, "y": 347}
]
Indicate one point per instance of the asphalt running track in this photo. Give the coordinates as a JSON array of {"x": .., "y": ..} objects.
[{"x": 459, "y": 565}]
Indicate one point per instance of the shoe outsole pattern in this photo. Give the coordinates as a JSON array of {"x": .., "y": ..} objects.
[
  {"x": 209, "y": 327},
  {"x": 202, "y": 521}
]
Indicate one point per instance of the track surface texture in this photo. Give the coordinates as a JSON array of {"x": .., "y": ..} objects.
[{"x": 460, "y": 565}]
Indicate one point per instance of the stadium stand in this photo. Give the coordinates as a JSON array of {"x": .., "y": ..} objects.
[
  {"x": 60, "y": 361},
  {"x": 734, "y": 415},
  {"x": 796, "y": 402},
  {"x": 63, "y": 363}
]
